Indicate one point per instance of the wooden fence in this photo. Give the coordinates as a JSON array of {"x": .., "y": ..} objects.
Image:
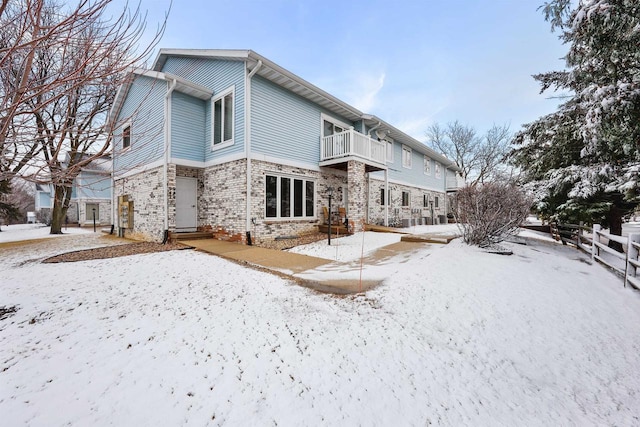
[{"x": 595, "y": 241}]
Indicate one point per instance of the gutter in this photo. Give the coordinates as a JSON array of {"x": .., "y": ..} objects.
[
  {"x": 247, "y": 144},
  {"x": 167, "y": 149}
]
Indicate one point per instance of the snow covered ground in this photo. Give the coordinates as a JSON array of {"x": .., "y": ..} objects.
[
  {"x": 17, "y": 232},
  {"x": 353, "y": 247},
  {"x": 455, "y": 336}
]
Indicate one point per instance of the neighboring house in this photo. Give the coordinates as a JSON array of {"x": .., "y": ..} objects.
[
  {"x": 90, "y": 194},
  {"x": 227, "y": 139},
  {"x": 44, "y": 201}
]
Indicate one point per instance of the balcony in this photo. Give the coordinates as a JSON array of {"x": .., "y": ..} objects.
[
  {"x": 337, "y": 148},
  {"x": 455, "y": 183}
]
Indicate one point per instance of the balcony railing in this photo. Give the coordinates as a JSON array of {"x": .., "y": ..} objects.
[
  {"x": 455, "y": 183},
  {"x": 352, "y": 143}
]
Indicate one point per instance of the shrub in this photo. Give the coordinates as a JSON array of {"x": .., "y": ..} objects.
[{"x": 490, "y": 212}]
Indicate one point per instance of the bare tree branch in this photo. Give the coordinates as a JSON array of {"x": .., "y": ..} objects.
[
  {"x": 60, "y": 72},
  {"x": 479, "y": 158}
]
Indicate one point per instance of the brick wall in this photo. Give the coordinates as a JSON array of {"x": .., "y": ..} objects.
[
  {"x": 146, "y": 189},
  {"x": 221, "y": 200},
  {"x": 266, "y": 229},
  {"x": 357, "y": 183},
  {"x": 397, "y": 212},
  {"x": 103, "y": 216}
]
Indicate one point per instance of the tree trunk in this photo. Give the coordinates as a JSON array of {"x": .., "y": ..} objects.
[
  {"x": 60, "y": 207},
  {"x": 615, "y": 225}
]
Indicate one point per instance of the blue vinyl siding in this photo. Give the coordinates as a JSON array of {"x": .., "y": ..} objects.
[
  {"x": 285, "y": 125},
  {"x": 217, "y": 75},
  {"x": 415, "y": 175},
  {"x": 188, "y": 121},
  {"x": 93, "y": 186},
  {"x": 144, "y": 109}
]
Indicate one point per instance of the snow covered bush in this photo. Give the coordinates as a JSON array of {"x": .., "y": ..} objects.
[{"x": 490, "y": 212}]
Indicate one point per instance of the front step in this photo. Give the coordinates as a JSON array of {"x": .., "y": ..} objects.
[{"x": 193, "y": 235}]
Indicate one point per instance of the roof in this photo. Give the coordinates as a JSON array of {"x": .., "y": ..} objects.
[
  {"x": 286, "y": 79},
  {"x": 182, "y": 85},
  {"x": 101, "y": 164}
]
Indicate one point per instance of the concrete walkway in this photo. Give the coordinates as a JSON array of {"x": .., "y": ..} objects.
[
  {"x": 272, "y": 259},
  {"x": 316, "y": 273}
]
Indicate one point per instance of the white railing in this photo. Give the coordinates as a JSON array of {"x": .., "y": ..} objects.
[
  {"x": 595, "y": 242},
  {"x": 455, "y": 183},
  {"x": 352, "y": 143}
]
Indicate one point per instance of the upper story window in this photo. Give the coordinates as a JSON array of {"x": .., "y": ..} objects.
[
  {"x": 126, "y": 136},
  {"x": 437, "y": 170},
  {"x": 331, "y": 126},
  {"x": 222, "y": 119},
  {"x": 427, "y": 165},
  {"x": 406, "y": 157}
]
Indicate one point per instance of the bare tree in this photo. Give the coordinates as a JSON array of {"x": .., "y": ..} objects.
[
  {"x": 479, "y": 157},
  {"x": 490, "y": 212},
  {"x": 60, "y": 73}
]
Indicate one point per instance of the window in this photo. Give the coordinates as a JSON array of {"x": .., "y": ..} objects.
[
  {"x": 222, "y": 119},
  {"x": 406, "y": 157},
  {"x": 126, "y": 136},
  {"x": 436, "y": 201},
  {"x": 390, "y": 151},
  {"x": 382, "y": 203},
  {"x": 405, "y": 198},
  {"x": 330, "y": 128},
  {"x": 427, "y": 165},
  {"x": 289, "y": 197},
  {"x": 437, "y": 170},
  {"x": 425, "y": 201}
]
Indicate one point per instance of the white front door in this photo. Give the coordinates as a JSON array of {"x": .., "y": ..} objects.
[{"x": 186, "y": 204}]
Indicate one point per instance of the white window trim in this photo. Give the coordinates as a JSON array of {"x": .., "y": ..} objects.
[
  {"x": 304, "y": 179},
  {"x": 438, "y": 170},
  {"x": 124, "y": 126},
  {"x": 230, "y": 142},
  {"x": 427, "y": 161},
  {"x": 333, "y": 120},
  {"x": 410, "y": 151}
]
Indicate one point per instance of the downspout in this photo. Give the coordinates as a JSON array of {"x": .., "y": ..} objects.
[
  {"x": 113, "y": 190},
  {"x": 247, "y": 144},
  {"x": 374, "y": 128},
  {"x": 167, "y": 150},
  {"x": 446, "y": 194}
]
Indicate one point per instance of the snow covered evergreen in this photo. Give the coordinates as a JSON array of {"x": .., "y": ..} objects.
[{"x": 582, "y": 160}]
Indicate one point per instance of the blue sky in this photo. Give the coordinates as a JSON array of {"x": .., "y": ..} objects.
[{"x": 412, "y": 63}]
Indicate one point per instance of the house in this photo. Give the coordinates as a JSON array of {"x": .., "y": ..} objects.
[
  {"x": 43, "y": 201},
  {"x": 90, "y": 195},
  {"x": 229, "y": 140}
]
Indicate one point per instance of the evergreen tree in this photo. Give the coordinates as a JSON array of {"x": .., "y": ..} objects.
[
  {"x": 8, "y": 210},
  {"x": 582, "y": 161}
]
